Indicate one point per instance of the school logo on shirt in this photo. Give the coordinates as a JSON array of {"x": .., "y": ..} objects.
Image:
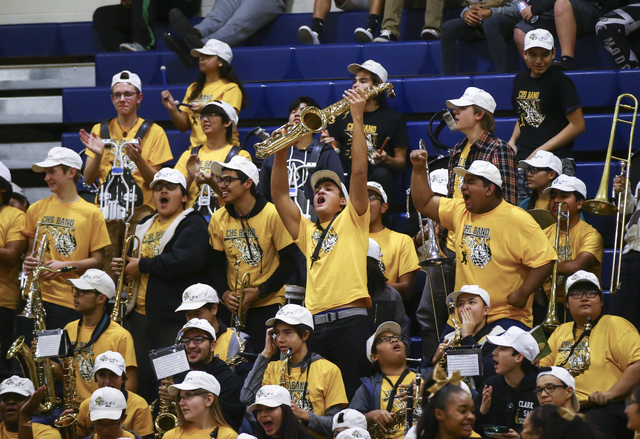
[
  {"x": 298, "y": 391},
  {"x": 246, "y": 245},
  {"x": 152, "y": 243},
  {"x": 370, "y": 135},
  {"x": 530, "y": 108},
  {"x": 85, "y": 362},
  {"x": 62, "y": 232},
  {"x": 579, "y": 357},
  {"x": 329, "y": 241},
  {"x": 476, "y": 245}
]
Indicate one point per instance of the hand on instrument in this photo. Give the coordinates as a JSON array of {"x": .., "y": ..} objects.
[
  {"x": 116, "y": 265},
  {"x": 601, "y": 398},
  {"x": 357, "y": 101},
  {"x": 31, "y": 405},
  {"x": 134, "y": 151},
  {"x": 301, "y": 414},
  {"x": 197, "y": 107},
  {"x": 486, "y": 399},
  {"x": 54, "y": 265},
  {"x": 441, "y": 346},
  {"x": 132, "y": 270},
  {"x": 163, "y": 390},
  {"x": 379, "y": 157},
  {"x": 270, "y": 345},
  {"x": 92, "y": 142},
  {"x": 251, "y": 295},
  {"x": 526, "y": 14},
  {"x": 34, "y": 346},
  {"x": 230, "y": 300},
  {"x": 468, "y": 323},
  {"x": 325, "y": 137},
  {"x": 30, "y": 263},
  {"x": 619, "y": 183},
  {"x": 381, "y": 417},
  {"x": 419, "y": 158}
]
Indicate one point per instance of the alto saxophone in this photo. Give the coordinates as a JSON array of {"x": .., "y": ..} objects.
[
  {"x": 237, "y": 359},
  {"x": 284, "y": 375},
  {"x": 67, "y": 423},
  {"x": 312, "y": 120},
  {"x": 165, "y": 420},
  {"x": 122, "y": 296}
]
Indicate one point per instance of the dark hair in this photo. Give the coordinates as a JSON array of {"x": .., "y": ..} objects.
[
  {"x": 225, "y": 119},
  {"x": 290, "y": 428},
  {"x": 7, "y": 191},
  {"x": 299, "y": 329},
  {"x": 579, "y": 196},
  {"x": 552, "y": 422},
  {"x": 228, "y": 73},
  {"x": 487, "y": 122},
  {"x": 21, "y": 199},
  {"x": 525, "y": 365},
  {"x": 534, "y": 195},
  {"x": 497, "y": 191},
  {"x": 243, "y": 178},
  {"x": 428, "y": 426},
  {"x": 303, "y": 100},
  {"x": 65, "y": 169},
  {"x": 376, "y": 281}
]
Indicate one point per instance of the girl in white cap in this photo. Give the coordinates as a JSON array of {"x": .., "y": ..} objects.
[
  {"x": 272, "y": 410},
  {"x": 199, "y": 409}
]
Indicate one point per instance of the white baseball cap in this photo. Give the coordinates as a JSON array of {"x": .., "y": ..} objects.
[
  {"x": 538, "y": 38},
  {"x": 392, "y": 327},
  {"x": 106, "y": 403},
  {"x": 563, "y": 375},
  {"x": 543, "y": 159},
  {"x": 377, "y": 188},
  {"x": 568, "y": 183},
  {"x": 349, "y": 418},
  {"x": 112, "y": 361},
  {"x": 581, "y": 276},
  {"x": 127, "y": 77},
  {"x": 202, "y": 324},
  {"x": 439, "y": 181},
  {"x": 292, "y": 314},
  {"x": 470, "y": 289},
  {"x": 326, "y": 174},
  {"x": 169, "y": 175},
  {"x": 196, "y": 296},
  {"x": 59, "y": 155},
  {"x": 5, "y": 173},
  {"x": 474, "y": 96},
  {"x": 15, "y": 384},
  {"x": 371, "y": 66},
  {"x": 481, "y": 168},
  {"x": 225, "y": 107},
  {"x": 214, "y": 47},
  {"x": 238, "y": 163},
  {"x": 271, "y": 396},
  {"x": 518, "y": 339},
  {"x": 374, "y": 251},
  {"x": 17, "y": 189},
  {"x": 195, "y": 380},
  {"x": 354, "y": 433},
  {"x": 94, "y": 279}
]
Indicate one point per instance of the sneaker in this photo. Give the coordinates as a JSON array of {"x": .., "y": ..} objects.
[
  {"x": 307, "y": 36},
  {"x": 363, "y": 35},
  {"x": 386, "y": 36},
  {"x": 191, "y": 36},
  {"x": 565, "y": 63},
  {"x": 178, "y": 46},
  {"x": 430, "y": 34},
  {"x": 132, "y": 47}
]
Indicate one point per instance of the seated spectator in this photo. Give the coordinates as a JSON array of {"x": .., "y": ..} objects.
[
  {"x": 107, "y": 411},
  {"x": 495, "y": 24},
  {"x": 510, "y": 395},
  {"x": 312, "y": 34},
  {"x": 128, "y": 26},
  {"x": 550, "y": 421},
  {"x": 604, "y": 359},
  {"x": 556, "y": 386},
  {"x": 541, "y": 170},
  {"x": 386, "y": 158},
  {"x": 230, "y": 21},
  {"x": 632, "y": 410},
  {"x": 276, "y": 419},
  {"x": 549, "y": 109},
  {"x": 432, "y": 19},
  {"x": 615, "y": 29},
  {"x": 346, "y": 419}
]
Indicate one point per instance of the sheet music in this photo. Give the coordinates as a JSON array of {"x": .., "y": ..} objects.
[
  {"x": 49, "y": 343},
  {"x": 169, "y": 361},
  {"x": 468, "y": 363}
]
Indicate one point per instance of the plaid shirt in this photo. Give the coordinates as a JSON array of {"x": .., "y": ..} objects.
[{"x": 491, "y": 149}]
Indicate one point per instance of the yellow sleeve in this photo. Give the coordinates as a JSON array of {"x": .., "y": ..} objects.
[
  {"x": 227, "y": 433},
  {"x": 182, "y": 162},
  {"x": 280, "y": 235},
  {"x": 85, "y": 427},
  {"x": 215, "y": 231},
  {"x": 536, "y": 248},
  {"x": 446, "y": 212},
  {"x": 245, "y": 154},
  {"x": 99, "y": 233},
  {"x": 624, "y": 342},
  {"x": 592, "y": 243},
  {"x": 31, "y": 220},
  {"x": 41, "y": 431},
  {"x": 271, "y": 375},
  {"x": 232, "y": 96},
  {"x": 142, "y": 420},
  {"x": 304, "y": 234},
  {"x": 14, "y": 232},
  {"x": 126, "y": 348},
  {"x": 408, "y": 257},
  {"x": 335, "y": 393},
  {"x": 158, "y": 145}
]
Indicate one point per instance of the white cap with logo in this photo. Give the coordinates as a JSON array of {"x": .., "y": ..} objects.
[
  {"x": 59, "y": 155},
  {"x": 238, "y": 163},
  {"x": 127, "y": 77},
  {"x": 481, "y": 168},
  {"x": 196, "y": 296},
  {"x": 518, "y": 339},
  {"x": 439, "y": 181},
  {"x": 374, "y": 251},
  {"x": 474, "y": 96},
  {"x": 470, "y": 289},
  {"x": 568, "y": 183},
  {"x": 563, "y": 375},
  {"x": 392, "y": 327},
  {"x": 227, "y": 109},
  {"x": 271, "y": 396},
  {"x": 5, "y": 173},
  {"x": 582, "y": 276},
  {"x": 543, "y": 159},
  {"x": 201, "y": 324},
  {"x": 376, "y": 187},
  {"x": 538, "y": 38},
  {"x": 214, "y": 47},
  {"x": 370, "y": 66},
  {"x": 106, "y": 403},
  {"x": 349, "y": 418},
  {"x": 354, "y": 433},
  {"x": 195, "y": 380},
  {"x": 94, "y": 279},
  {"x": 169, "y": 175},
  {"x": 112, "y": 361},
  {"x": 292, "y": 314},
  {"x": 15, "y": 384}
]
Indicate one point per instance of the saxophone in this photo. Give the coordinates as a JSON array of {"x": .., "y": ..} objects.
[
  {"x": 284, "y": 376},
  {"x": 579, "y": 362},
  {"x": 237, "y": 359},
  {"x": 455, "y": 341},
  {"x": 165, "y": 420},
  {"x": 67, "y": 423},
  {"x": 312, "y": 120},
  {"x": 399, "y": 421}
]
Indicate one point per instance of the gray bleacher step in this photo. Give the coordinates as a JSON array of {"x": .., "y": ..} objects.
[
  {"x": 29, "y": 110},
  {"x": 30, "y": 77},
  {"x": 23, "y": 155}
]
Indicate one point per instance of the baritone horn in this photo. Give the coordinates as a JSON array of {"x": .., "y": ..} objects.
[
  {"x": 131, "y": 244},
  {"x": 312, "y": 120}
]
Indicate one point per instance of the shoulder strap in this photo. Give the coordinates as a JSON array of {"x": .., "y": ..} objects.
[
  {"x": 214, "y": 433},
  {"x": 196, "y": 150},
  {"x": 235, "y": 149},
  {"x": 104, "y": 129},
  {"x": 316, "y": 252},
  {"x": 144, "y": 128},
  {"x": 315, "y": 154}
]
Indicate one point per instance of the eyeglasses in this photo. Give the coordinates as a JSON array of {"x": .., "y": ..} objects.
[
  {"x": 578, "y": 294},
  {"x": 170, "y": 186},
  {"x": 388, "y": 339},
  {"x": 198, "y": 339},
  {"x": 187, "y": 396},
  {"x": 373, "y": 197},
  {"x": 534, "y": 170},
  {"x": 630, "y": 401},
  {"x": 226, "y": 180},
  {"x": 81, "y": 293},
  {"x": 127, "y": 95},
  {"x": 549, "y": 388},
  {"x": 209, "y": 115}
]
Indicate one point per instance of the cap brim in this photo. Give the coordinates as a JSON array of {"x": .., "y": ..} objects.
[
  {"x": 80, "y": 284},
  {"x": 353, "y": 68},
  {"x": 175, "y": 388},
  {"x": 112, "y": 367},
  {"x": 453, "y": 103},
  {"x": 289, "y": 320},
  {"x": 387, "y": 327},
  {"x": 454, "y": 296},
  {"x": 191, "y": 306},
  {"x": 17, "y": 391},
  {"x": 563, "y": 188},
  {"x": 267, "y": 403},
  {"x": 41, "y": 166},
  {"x": 498, "y": 340},
  {"x": 113, "y": 414}
]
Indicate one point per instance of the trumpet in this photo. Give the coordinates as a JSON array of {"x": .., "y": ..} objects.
[
  {"x": 551, "y": 322},
  {"x": 237, "y": 317},
  {"x": 42, "y": 246},
  {"x": 122, "y": 296},
  {"x": 165, "y": 420}
]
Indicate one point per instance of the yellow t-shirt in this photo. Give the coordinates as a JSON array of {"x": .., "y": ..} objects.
[
  {"x": 457, "y": 183},
  {"x": 11, "y": 224},
  {"x": 398, "y": 405},
  {"x": 138, "y": 417},
  {"x": 222, "y": 343},
  {"x": 339, "y": 276},
  {"x": 74, "y": 231},
  {"x": 254, "y": 242},
  {"x": 125, "y": 433},
  {"x": 582, "y": 238},
  {"x": 191, "y": 432},
  {"x": 220, "y": 90},
  {"x": 115, "y": 338},
  {"x": 40, "y": 431},
  {"x": 155, "y": 151},
  {"x": 150, "y": 248},
  {"x": 542, "y": 204},
  {"x": 207, "y": 157},
  {"x": 496, "y": 250},
  {"x": 316, "y": 389},
  {"x": 399, "y": 255},
  {"x": 614, "y": 344}
]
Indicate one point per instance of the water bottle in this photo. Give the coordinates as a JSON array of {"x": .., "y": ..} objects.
[{"x": 523, "y": 4}]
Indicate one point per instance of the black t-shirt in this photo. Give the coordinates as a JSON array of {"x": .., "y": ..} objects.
[
  {"x": 542, "y": 105},
  {"x": 378, "y": 125}
]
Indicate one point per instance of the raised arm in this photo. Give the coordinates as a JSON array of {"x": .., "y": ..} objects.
[
  {"x": 358, "y": 194},
  {"x": 287, "y": 209},
  {"x": 424, "y": 200}
]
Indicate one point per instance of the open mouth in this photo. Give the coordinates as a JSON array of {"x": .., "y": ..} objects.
[
  {"x": 164, "y": 200},
  {"x": 320, "y": 200},
  {"x": 267, "y": 425}
]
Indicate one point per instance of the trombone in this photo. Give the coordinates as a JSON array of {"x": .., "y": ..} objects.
[
  {"x": 600, "y": 204},
  {"x": 122, "y": 298}
]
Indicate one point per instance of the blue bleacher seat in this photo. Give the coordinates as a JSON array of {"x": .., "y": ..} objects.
[
  {"x": 265, "y": 64},
  {"x": 327, "y": 61},
  {"x": 607, "y": 85},
  {"x": 145, "y": 64},
  {"x": 415, "y": 56},
  {"x": 496, "y": 86},
  {"x": 428, "y": 95},
  {"x": 30, "y": 40}
]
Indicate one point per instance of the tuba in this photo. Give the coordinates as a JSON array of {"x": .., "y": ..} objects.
[
  {"x": 165, "y": 420},
  {"x": 68, "y": 423},
  {"x": 122, "y": 296},
  {"x": 312, "y": 120}
]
